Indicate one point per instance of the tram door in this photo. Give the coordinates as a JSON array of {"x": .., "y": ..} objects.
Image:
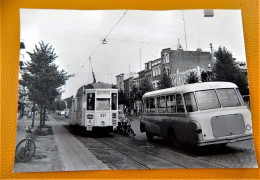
[{"x": 103, "y": 112}]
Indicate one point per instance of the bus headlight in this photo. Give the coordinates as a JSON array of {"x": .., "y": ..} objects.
[
  {"x": 248, "y": 127},
  {"x": 196, "y": 126}
]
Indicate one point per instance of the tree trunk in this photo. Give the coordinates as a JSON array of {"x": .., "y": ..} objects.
[
  {"x": 33, "y": 110},
  {"x": 44, "y": 114},
  {"x": 41, "y": 116}
]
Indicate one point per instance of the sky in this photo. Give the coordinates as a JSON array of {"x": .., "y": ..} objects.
[{"x": 133, "y": 38}]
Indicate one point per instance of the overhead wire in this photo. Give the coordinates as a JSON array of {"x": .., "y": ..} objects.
[{"x": 102, "y": 42}]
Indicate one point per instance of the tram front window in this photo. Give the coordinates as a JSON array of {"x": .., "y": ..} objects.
[{"x": 103, "y": 104}]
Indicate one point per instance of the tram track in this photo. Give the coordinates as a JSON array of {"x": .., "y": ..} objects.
[
  {"x": 143, "y": 154},
  {"x": 128, "y": 157},
  {"x": 206, "y": 163}
]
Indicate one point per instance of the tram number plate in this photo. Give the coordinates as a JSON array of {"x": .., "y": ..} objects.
[{"x": 103, "y": 115}]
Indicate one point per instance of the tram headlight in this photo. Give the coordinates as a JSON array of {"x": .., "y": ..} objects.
[{"x": 248, "y": 127}]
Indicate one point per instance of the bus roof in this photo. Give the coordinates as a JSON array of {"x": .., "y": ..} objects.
[{"x": 190, "y": 88}]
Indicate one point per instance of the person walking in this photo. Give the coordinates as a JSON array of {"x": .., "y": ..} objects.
[{"x": 129, "y": 111}]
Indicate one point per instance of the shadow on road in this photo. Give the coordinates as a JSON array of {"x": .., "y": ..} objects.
[{"x": 199, "y": 151}]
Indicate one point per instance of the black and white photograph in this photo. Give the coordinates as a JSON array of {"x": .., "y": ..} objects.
[{"x": 132, "y": 89}]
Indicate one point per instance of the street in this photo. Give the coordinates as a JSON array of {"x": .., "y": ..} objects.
[{"x": 121, "y": 152}]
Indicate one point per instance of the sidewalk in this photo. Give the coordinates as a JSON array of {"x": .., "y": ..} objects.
[
  {"x": 46, "y": 156},
  {"x": 73, "y": 154},
  {"x": 59, "y": 151}
]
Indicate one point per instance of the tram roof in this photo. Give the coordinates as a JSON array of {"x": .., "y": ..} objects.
[
  {"x": 99, "y": 85},
  {"x": 190, "y": 87}
]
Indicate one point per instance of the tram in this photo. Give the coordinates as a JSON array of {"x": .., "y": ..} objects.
[
  {"x": 200, "y": 114},
  {"x": 95, "y": 107}
]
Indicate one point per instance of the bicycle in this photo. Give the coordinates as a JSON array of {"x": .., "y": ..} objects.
[{"x": 25, "y": 149}]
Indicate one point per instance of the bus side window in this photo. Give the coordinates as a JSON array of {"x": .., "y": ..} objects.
[
  {"x": 161, "y": 104},
  {"x": 190, "y": 102},
  {"x": 91, "y": 101},
  {"x": 179, "y": 102},
  {"x": 171, "y": 104},
  {"x": 152, "y": 104},
  {"x": 147, "y": 107}
]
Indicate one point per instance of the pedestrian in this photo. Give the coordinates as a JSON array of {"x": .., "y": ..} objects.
[
  {"x": 125, "y": 110},
  {"x": 135, "y": 111},
  {"x": 129, "y": 111}
]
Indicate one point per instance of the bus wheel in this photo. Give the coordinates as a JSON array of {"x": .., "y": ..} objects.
[
  {"x": 149, "y": 136},
  {"x": 172, "y": 137}
]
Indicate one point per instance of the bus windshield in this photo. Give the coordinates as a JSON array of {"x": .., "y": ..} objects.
[
  {"x": 103, "y": 104},
  {"x": 228, "y": 97},
  {"x": 207, "y": 99}
]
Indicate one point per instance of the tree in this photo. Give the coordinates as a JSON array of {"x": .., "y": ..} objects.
[
  {"x": 192, "y": 77},
  {"x": 165, "y": 81},
  {"x": 122, "y": 99},
  {"x": 145, "y": 87},
  {"x": 226, "y": 69},
  {"x": 42, "y": 78},
  {"x": 135, "y": 94}
]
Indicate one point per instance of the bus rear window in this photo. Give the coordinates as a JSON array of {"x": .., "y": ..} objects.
[
  {"x": 103, "y": 104},
  {"x": 228, "y": 97},
  {"x": 207, "y": 99},
  {"x": 190, "y": 102}
]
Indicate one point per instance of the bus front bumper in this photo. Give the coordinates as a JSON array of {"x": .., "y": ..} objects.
[{"x": 224, "y": 140}]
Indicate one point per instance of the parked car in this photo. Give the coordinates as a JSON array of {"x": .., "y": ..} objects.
[
  {"x": 58, "y": 112},
  {"x": 62, "y": 113}
]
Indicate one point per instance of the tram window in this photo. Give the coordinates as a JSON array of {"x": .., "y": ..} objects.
[
  {"x": 161, "y": 104},
  {"x": 190, "y": 102},
  {"x": 103, "y": 104},
  {"x": 207, "y": 99},
  {"x": 228, "y": 97},
  {"x": 90, "y": 101},
  {"x": 79, "y": 102},
  {"x": 152, "y": 104},
  {"x": 179, "y": 103},
  {"x": 171, "y": 103},
  {"x": 114, "y": 101}
]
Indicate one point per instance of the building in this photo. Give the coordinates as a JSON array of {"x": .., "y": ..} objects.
[
  {"x": 141, "y": 76},
  {"x": 120, "y": 79},
  {"x": 148, "y": 71},
  {"x": 178, "y": 64}
]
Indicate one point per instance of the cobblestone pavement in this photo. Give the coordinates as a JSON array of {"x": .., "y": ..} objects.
[{"x": 234, "y": 155}]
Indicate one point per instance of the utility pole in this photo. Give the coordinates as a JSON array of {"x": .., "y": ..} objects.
[
  {"x": 184, "y": 29},
  {"x": 140, "y": 59}
]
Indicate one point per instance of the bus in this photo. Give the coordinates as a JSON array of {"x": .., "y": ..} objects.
[
  {"x": 199, "y": 114},
  {"x": 95, "y": 108}
]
